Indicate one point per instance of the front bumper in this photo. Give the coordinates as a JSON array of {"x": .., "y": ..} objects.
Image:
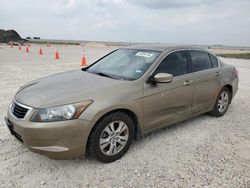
[{"x": 56, "y": 140}]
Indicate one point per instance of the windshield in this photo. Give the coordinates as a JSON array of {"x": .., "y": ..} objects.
[{"x": 127, "y": 64}]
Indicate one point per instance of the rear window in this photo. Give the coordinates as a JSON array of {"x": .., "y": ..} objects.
[
  {"x": 214, "y": 61},
  {"x": 200, "y": 61}
]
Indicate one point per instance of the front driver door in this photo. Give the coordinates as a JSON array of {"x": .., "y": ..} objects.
[{"x": 167, "y": 103}]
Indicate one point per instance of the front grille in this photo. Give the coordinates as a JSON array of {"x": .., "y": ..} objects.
[{"x": 19, "y": 111}]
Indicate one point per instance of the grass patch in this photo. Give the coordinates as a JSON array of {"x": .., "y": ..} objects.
[
  {"x": 53, "y": 42},
  {"x": 238, "y": 56}
]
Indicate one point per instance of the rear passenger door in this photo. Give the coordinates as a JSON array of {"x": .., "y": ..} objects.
[{"x": 205, "y": 75}]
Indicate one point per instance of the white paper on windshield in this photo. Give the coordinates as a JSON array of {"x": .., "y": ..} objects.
[{"x": 144, "y": 54}]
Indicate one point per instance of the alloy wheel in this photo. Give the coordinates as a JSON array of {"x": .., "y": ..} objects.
[
  {"x": 114, "y": 138},
  {"x": 223, "y": 101}
]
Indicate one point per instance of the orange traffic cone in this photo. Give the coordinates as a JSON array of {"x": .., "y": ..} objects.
[
  {"x": 19, "y": 47},
  {"x": 27, "y": 49},
  {"x": 40, "y": 51},
  {"x": 57, "y": 55},
  {"x": 11, "y": 44},
  {"x": 84, "y": 62}
]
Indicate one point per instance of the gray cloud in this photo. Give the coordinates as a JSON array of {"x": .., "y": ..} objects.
[{"x": 163, "y": 4}]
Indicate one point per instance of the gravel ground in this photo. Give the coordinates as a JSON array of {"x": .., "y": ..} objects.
[{"x": 201, "y": 152}]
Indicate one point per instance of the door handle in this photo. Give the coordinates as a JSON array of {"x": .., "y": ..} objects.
[
  {"x": 188, "y": 82},
  {"x": 217, "y": 74}
]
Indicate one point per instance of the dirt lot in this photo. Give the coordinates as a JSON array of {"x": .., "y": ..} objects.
[{"x": 204, "y": 151}]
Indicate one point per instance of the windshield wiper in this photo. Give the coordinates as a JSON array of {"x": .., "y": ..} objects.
[
  {"x": 113, "y": 77},
  {"x": 109, "y": 76},
  {"x": 102, "y": 74},
  {"x": 105, "y": 75}
]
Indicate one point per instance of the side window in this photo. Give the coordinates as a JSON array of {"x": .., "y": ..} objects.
[
  {"x": 200, "y": 61},
  {"x": 175, "y": 64},
  {"x": 214, "y": 61}
]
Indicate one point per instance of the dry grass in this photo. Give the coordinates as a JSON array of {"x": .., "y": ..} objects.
[{"x": 238, "y": 56}]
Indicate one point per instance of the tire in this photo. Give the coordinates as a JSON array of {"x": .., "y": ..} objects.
[
  {"x": 222, "y": 103},
  {"x": 111, "y": 137}
]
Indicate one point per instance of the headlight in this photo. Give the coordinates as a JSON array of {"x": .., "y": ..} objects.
[{"x": 60, "y": 113}]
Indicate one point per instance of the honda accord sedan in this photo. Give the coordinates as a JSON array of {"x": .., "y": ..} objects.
[{"x": 129, "y": 92}]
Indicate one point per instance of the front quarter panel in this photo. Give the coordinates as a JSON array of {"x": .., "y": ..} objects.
[{"x": 125, "y": 96}]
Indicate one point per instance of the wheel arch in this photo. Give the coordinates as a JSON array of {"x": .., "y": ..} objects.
[
  {"x": 131, "y": 114},
  {"x": 230, "y": 88}
]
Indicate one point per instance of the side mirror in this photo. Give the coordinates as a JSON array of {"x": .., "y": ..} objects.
[{"x": 161, "y": 78}]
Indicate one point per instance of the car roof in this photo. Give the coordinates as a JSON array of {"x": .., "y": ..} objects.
[{"x": 162, "y": 48}]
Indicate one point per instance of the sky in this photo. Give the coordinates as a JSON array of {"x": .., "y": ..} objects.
[{"x": 207, "y": 22}]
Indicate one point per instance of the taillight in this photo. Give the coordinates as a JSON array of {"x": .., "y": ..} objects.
[{"x": 235, "y": 72}]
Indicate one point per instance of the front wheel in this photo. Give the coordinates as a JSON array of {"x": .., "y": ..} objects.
[
  {"x": 111, "y": 137},
  {"x": 222, "y": 103}
]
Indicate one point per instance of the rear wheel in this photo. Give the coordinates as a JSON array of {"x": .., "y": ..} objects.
[
  {"x": 112, "y": 137},
  {"x": 222, "y": 103}
]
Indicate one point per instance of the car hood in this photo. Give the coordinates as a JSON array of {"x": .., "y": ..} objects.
[{"x": 65, "y": 88}]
